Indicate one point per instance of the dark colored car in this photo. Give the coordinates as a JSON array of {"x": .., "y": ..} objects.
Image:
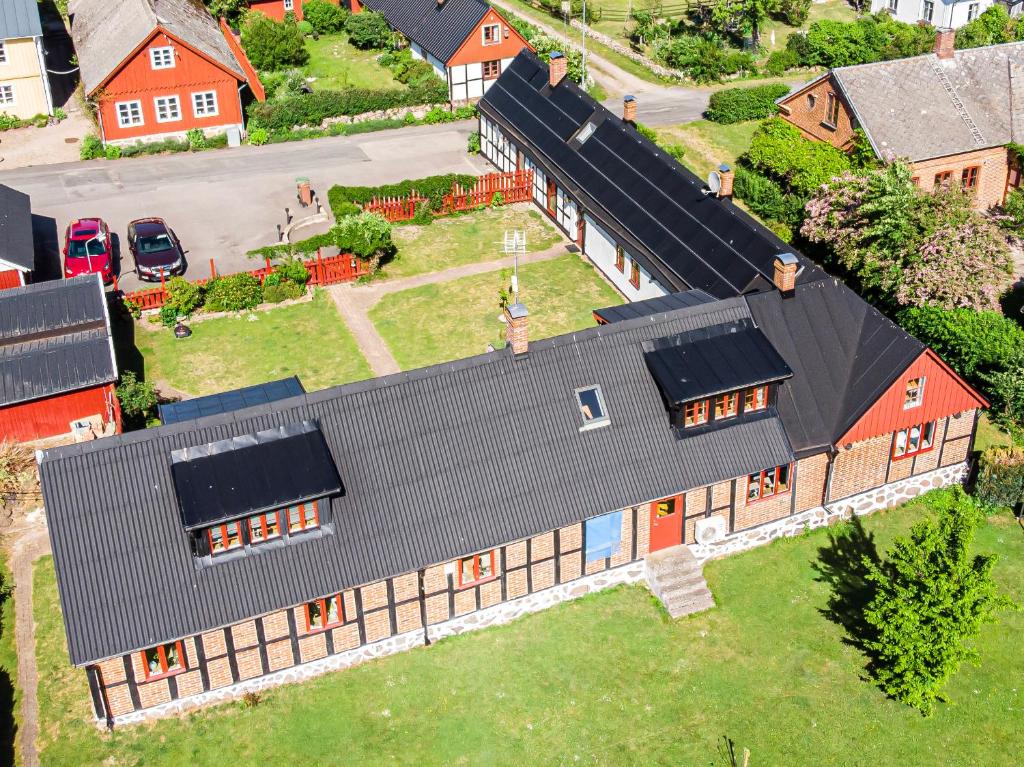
[
  {"x": 87, "y": 249},
  {"x": 155, "y": 248}
]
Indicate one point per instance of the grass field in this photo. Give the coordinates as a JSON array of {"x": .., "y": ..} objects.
[
  {"x": 560, "y": 295},
  {"x": 309, "y": 340},
  {"x": 336, "y": 64},
  {"x": 469, "y": 239},
  {"x": 709, "y": 144},
  {"x": 605, "y": 680},
  {"x": 10, "y": 699}
]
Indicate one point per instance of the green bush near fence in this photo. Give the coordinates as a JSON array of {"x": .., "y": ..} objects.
[
  {"x": 735, "y": 105},
  {"x": 347, "y": 200},
  {"x": 233, "y": 293}
]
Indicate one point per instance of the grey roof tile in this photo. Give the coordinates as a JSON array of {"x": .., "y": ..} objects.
[
  {"x": 440, "y": 29},
  {"x": 16, "y": 242},
  {"x": 20, "y": 18}
]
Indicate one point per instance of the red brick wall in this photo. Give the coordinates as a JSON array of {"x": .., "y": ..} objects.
[
  {"x": 807, "y": 110},
  {"x": 993, "y": 173}
]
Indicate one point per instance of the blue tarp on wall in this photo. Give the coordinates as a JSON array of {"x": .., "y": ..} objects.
[{"x": 603, "y": 535}]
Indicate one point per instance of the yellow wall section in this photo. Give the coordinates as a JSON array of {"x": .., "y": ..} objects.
[{"x": 22, "y": 71}]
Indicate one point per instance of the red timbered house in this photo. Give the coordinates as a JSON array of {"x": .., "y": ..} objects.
[
  {"x": 277, "y": 9},
  {"x": 159, "y": 68}
]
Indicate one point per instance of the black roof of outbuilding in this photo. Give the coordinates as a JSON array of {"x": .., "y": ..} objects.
[
  {"x": 17, "y": 246},
  {"x": 713, "y": 360},
  {"x": 54, "y": 338},
  {"x": 417, "y": 453},
  {"x": 647, "y": 200},
  {"x": 225, "y": 402},
  {"x": 439, "y": 28},
  {"x": 650, "y": 306}
]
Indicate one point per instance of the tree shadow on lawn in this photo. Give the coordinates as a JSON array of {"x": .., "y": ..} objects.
[{"x": 842, "y": 566}]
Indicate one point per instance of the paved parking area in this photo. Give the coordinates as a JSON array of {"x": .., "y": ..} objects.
[{"x": 224, "y": 203}]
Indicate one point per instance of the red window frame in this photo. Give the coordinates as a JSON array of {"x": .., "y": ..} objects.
[
  {"x": 969, "y": 177},
  {"x": 832, "y": 110},
  {"x": 224, "y": 537},
  {"x": 943, "y": 179},
  {"x": 491, "y": 69},
  {"x": 728, "y": 404},
  {"x": 322, "y": 606},
  {"x": 750, "y": 399},
  {"x": 634, "y": 274},
  {"x": 304, "y": 523},
  {"x": 761, "y": 479},
  {"x": 620, "y": 259},
  {"x": 261, "y": 522},
  {"x": 161, "y": 657},
  {"x": 474, "y": 563},
  {"x": 928, "y": 427},
  {"x": 695, "y": 413}
]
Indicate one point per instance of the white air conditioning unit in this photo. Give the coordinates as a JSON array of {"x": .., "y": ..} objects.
[{"x": 709, "y": 530}]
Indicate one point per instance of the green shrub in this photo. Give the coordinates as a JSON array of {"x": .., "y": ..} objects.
[
  {"x": 366, "y": 236},
  {"x": 258, "y": 137},
  {"x": 112, "y": 152},
  {"x": 283, "y": 291},
  {"x": 183, "y": 296},
  {"x": 272, "y": 45},
  {"x": 326, "y": 18},
  {"x": 1001, "y": 477},
  {"x": 92, "y": 148},
  {"x": 306, "y": 28},
  {"x": 345, "y": 200},
  {"x": 196, "y": 139},
  {"x": 7, "y": 122},
  {"x": 473, "y": 143},
  {"x": 497, "y": 200},
  {"x": 780, "y": 61},
  {"x": 992, "y": 27},
  {"x": 293, "y": 270},
  {"x": 735, "y": 105},
  {"x": 154, "y": 147},
  {"x": 233, "y": 293},
  {"x": 40, "y": 120},
  {"x": 793, "y": 12},
  {"x": 423, "y": 215},
  {"x": 368, "y": 30},
  {"x": 880, "y": 37},
  {"x": 778, "y": 150},
  {"x": 767, "y": 199},
  {"x": 137, "y": 398}
]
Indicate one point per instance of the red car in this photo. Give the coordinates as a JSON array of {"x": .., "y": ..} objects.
[{"x": 87, "y": 249}]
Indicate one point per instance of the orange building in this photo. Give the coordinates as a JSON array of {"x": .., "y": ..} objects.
[
  {"x": 276, "y": 9},
  {"x": 159, "y": 68}
]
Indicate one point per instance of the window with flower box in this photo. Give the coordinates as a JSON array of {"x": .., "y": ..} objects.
[
  {"x": 264, "y": 527},
  {"x": 913, "y": 440},
  {"x": 477, "y": 568},
  {"x": 163, "y": 660},
  {"x": 325, "y": 613},
  {"x": 768, "y": 483},
  {"x": 727, "y": 405},
  {"x": 695, "y": 413},
  {"x": 225, "y": 537},
  {"x": 303, "y": 516}
]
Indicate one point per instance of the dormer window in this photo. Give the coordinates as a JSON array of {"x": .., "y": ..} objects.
[
  {"x": 304, "y": 516},
  {"x": 727, "y": 405},
  {"x": 162, "y": 58},
  {"x": 225, "y": 537},
  {"x": 915, "y": 393},
  {"x": 755, "y": 399},
  {"x": 592, "y": 408},
  {"x": 695, "y": 413},
  {"x": 265, "y": 527}
]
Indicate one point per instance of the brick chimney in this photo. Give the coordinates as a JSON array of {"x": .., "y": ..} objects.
[
  {"x": 786, "y": 267},
  {"x": 945, "y": 42},
  {"x": 556, "y": 68},
  {"x": 725, "y": 173},
  {"x": 629, "y": 109},
  {"x": 517, "y": 328}
]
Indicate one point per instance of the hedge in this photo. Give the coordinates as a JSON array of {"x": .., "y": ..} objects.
[
  {"x": 346, "y": 200},
  {"x": 313, "y": 108},
  {"x": 735, "y": 105}
]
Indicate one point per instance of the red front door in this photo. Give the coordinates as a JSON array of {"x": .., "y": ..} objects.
[
  {"x": 581, "y": 230},
  {"x": 666, "y": 523}
]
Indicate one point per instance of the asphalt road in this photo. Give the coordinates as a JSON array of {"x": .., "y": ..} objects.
[{"x": 224, "y": 203}]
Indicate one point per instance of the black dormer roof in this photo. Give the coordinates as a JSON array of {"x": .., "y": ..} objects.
[
  {"x": 439, "y": 28},
  {"x": 252, "y": 474},
  {"x": 712, "y": 361}
]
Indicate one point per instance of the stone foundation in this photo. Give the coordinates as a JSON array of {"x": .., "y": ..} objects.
[{"x": 883, "y": 497}]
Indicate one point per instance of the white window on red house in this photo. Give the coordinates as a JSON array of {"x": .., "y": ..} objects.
[
  {"x": 695, "y": 413},
  {"x": 325, "y": 613},
  {"x": 129, "y": 114},
  {"x": 727, "y": 405},
  {"x": 161, "y": 58},
  {"x": 204, "y": 104},
  {"x": 755, "y": 399},
  {"x": 915, "y": 393},
  {"x": 768, "y": 483},
  {"x": 914, "y": 440},
  {"x": 492, "y": 69},
  {"x": 289, "y": 5},
  {"x": 265, "y": 527},
  {"x": 163, "y": 660},
  {"x": 302, "y": 516},
  {"x": 492, "y": 34},
  {"x": 168, "y": 109},
  {"x": 479, "y": 567},
  {"x": 225, "y": 537}
]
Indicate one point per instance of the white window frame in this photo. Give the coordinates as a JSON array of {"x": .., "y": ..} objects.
[
  {"x": 127, "y": 105},
  {"x": 3, "y": 52},
  {"x": 158, "y": 53},
  {"x": 156, "y": 108},
  {"x": 925, "y": 15},
  {"x": 201, "y": 110},
  {"x": 893, "y": 6},
  {"x": 497, "y": 34},
  {"x": 595, "y": 421},
  {"x": 972, "y": 11},
  {"x": 909, "y": 404},
  {"x": 3, "y": 99},
  {"x": 289, "y": 5}
]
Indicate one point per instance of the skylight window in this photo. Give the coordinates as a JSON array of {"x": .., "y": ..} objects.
[
  {"x": 592, "y": 407},
  {"x": 586, "y": 132}
]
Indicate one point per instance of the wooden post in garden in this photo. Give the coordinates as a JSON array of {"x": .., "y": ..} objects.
[{"x": 213, "y": 270}]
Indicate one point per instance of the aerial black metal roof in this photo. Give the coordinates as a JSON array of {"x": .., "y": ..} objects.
[
  {"x": 417, "y": 453},
  {"x": 714, "y": 360},
  {"x": 648, "y": 201},
  {"x": 252, "y": 473},
  {"x": 225, "y": 402},
  {"x": 439, "y": 28},
  {"x": 54, "y": 338},
  {"x": 650, "y": 306},
  {"x": 17, "y": 246}
]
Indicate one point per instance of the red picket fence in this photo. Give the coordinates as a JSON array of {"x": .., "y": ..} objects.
[
  {"x": 516, "y": 186},
  {"x": 343, "y": 267}
]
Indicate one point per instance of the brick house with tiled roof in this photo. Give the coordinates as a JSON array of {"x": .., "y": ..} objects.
[{"x": 950, "y": 114}]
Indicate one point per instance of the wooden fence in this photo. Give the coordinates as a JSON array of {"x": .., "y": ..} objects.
[
  {"x": 516, "y": 186},
  {"x": 322, "y": 271}
]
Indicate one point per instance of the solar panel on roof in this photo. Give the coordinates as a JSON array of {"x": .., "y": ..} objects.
[{"x": 226, "y": 402}]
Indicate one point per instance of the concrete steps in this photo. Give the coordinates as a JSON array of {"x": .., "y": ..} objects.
[{"x": 676, "y": 578}]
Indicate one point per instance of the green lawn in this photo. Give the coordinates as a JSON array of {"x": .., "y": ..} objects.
[
  {"x": 10, "y": 699},
  {"x": 834, "y": 10},
  {"x": 337, "y": 64},
  {"x": 309, "y": 340},
  {"x": 468, "y": 239},
  {"x": 990, "y": 435},
  {"x": 605, "y": 680},
  {"x": 463, "y": 314},
  {"x": 709, "y": 144}
]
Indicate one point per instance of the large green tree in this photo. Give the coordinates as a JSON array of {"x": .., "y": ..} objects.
[
  {"x": 931, "y": 597},
  {"x": 746, "y": 16},
  {"x": 273, "y": 45},
  {"x": 232, "y": 10}
]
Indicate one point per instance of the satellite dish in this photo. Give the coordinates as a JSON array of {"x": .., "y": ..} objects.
[{"x": 714, "y": 182}]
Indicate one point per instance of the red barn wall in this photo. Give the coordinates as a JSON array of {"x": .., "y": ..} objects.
[
  {"x": 474, "y": 51},
  {"x": 945, "y": 394},
  {"x": 192, "y": 73},
  {"x": 275, "y": 8},
  {"x": 10, "y": 278},
  {"x": 52, "y": 416}
]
